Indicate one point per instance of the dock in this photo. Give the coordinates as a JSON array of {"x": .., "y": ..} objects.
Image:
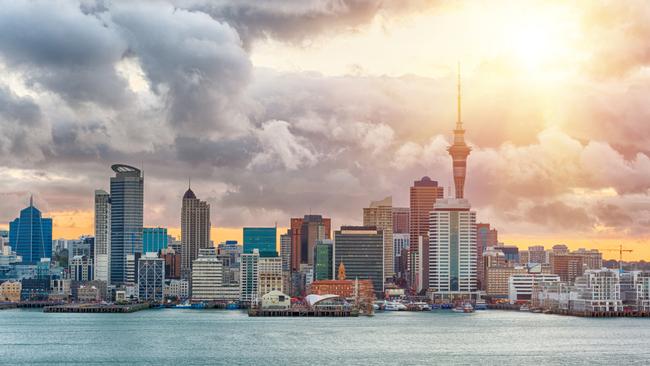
[
  {"x": 95, "y": 308},
  {"x": 8, "y": 305},
  {"x": 303, "y": 313}
]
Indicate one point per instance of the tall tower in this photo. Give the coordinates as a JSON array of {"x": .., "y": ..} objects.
[
  {"x": 459, "y": 151},
  {"x": 195, "y": 230},
  {"x": 127, "y": 193},
  {"x": 102, "y": 236}
]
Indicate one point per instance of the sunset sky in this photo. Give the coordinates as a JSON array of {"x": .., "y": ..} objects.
[{"x": 279, "y": 108}]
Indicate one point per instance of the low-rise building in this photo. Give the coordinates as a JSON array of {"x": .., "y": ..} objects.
[
  {"x": 598, "y": 290},
  {"x": 521, "y": 286},
  {"x": 88, "y": 293},
  {"x": 10, "y": 291},
  {"x": 178, "y": 289},
  {"x": 276, "y": 300}
]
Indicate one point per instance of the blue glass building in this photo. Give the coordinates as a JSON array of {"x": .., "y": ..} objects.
[
  {"x": 154, "y": 239},
  {"x": 261, "y": 238},
  {"x": 127, "y": 191},
  {"x": 30, "y": 235}
]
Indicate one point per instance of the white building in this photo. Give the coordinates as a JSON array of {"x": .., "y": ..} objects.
[
  {"x": 207, "y": 276},
  {"x": 452, "y": 248},
  {"x": 521, "y": 286},
  {"x": 276, "y": 300},
  {"x": 151, "y": 277},
  {"x": 179, "y": 289},
  {"x": 81, "y": 268},
  {"x": 129, "y": 269},
  {"x": 102, "y": 255},
  {"x": 249, "y": 277},
  {"x": 640, "y": 282},
  {"x": 270, "y": 275},
  {"x": 598, "y": 290}
]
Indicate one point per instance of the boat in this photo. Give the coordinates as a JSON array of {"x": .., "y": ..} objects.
[
  {"x": 480, "y": 305},
  {"x": 375, "y": 307},
  {"x": 524, "y": 308},
  {"x": 536, "y": 310},
  {"x": 187, "y": 305},
  {"x": 232, "y": 306},
  {"x": 464, "y": 308},
  {"x": 421, "y": 306},
  {"x": 394, "y": 306}
]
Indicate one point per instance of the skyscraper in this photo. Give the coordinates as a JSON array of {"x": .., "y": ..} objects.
[
  {"x": 401, "y": 220},
  {"x": 30, "y": 235},
  {"x": 102, "y": 236},
  {"x": 304, "y": 234},
  {"x": 324, "y": 260},
  {"x": 380, "y": 215},
  {"x": 423, "y": 194},
  {"x": 459, "y": 151},
  {"x": 154, "y": 239},
  {"x": 195, "y": 230},
  {"x": 151, "y": 277},
  {"x": 361, "y": 249},
  {"x": 249, "y": 277},
  {"x": 452, "y": 248},
  {"x": 285, "y": 250},
  {"x": 127, "y": 193},
  {"x": 262, "y": 238},
  {"x": 485, "y": 237}
]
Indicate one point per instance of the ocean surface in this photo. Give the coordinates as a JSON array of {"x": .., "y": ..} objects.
[{"x": 220, "y": 337}]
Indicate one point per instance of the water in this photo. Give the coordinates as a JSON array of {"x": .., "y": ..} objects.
[{"x": 194, "y": 337}]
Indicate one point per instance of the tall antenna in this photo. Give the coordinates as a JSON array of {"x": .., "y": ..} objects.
[{"x": 459, "y": 123}]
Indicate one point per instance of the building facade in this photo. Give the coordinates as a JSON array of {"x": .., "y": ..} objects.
[
  {"x": 380, "y": 215},
  {"x": 102, "y": 236},
  {"x": 360, "y": 249},
  {"x": 207, "y": 276},
  {"x": 401, "y": 220},
  {"x": 261, "y": 238},
  {"x": 154, "y": 239},
  {"x": 304, "y": 234},
  {"x": 30, "y": 235},
  {"x": 270, "y": 275},
  {"x": 324, "y": 260},
  {"x": 249, "y": 277},
  {"x": 195, "y": 230},
  {"x": 151, "y": 277}
]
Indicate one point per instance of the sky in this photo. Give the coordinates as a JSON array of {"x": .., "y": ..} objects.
[{"x": 280, "y": 108}]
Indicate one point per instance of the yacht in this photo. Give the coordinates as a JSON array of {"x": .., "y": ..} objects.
[
  {"x": 480, "y": 305},
  {"x": 421, "y": 306},
  {"x": 394, "y": 306},
  {"x": 463, "y": 308},
  {"x": 524, "y": 307}
]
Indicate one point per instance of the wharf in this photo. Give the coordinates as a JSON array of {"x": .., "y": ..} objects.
[
  {"x": 95, "y": 308},
  {"x": 38, "y": 304},
  {"x": 303, "y": 312},
  {"x": 8, "y": 305},
  {"x": 600, "y": 314}
]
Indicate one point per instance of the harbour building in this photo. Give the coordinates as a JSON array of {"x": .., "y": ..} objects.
[{"x": 127, "y": 192}]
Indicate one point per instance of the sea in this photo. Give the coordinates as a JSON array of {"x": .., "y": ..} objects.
[{"x": 222, "y": 337}]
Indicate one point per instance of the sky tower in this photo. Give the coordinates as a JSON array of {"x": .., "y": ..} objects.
[{"x": 459, "y": 151}]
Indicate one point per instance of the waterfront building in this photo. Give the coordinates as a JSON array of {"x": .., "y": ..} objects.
[
  {"x": 30, "y": 235},
  {"x": 301, "y": 280},
  {"x": 522, "y": 285},
  {"x": 207, "y": 276},
  {"x": 102, "y": 236},
  {"x": 452, "y": 248},
  {"x": 177, "y": 289},
  {"x": 401, "y": 220},
  {"x": 172, "y": 263},
  {"x": 249, "y": 277},
  {"x": 269, "y": 275},
  {"x": 324, "y": 260},
  {"x": 635, "y": 290},
  {"x": 598, "y": 290},
  {"x": 195, "y": 230},
  {"x": 126, "y": 195},
  {"x": 131, "y": 268},
  {"x": 497, "y": 283},
  {"x": 380, "y": 215},
  {"x": 400, "y": 245},
  {"x": 276, "y": 300},
  {"x": 261, "y": 238},
  {"x": 423, "y": 195},
  {"x": 81, "y": 268},
  {"x": 344, "y": 288},
  {"x": 88, "y": 293},
  {"x": 151, "y": 277},
  {"x": 567, "y": 266},
  {"x": 10, "y": 291},
  {"x": 304, "y": 234},
  {"x": 361, "y": 250},
  {"x": 34, "y": 289},
  {"x": 154, "y": 239}
]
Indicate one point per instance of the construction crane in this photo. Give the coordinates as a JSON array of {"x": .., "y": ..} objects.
[{"x": 620, "y": 251}]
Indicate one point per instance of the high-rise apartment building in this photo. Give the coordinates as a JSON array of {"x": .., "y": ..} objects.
[
  {"x": 154, "y": 239},
  {"x": 380, "y": 215},
  {"x": 485, "y": 237},
  {"x": 195, "y": 230},
  {"x": 262, "y": 238},
  {"x": 567, "y": 266},
  {"x": 249, "y": 277},
  {"x": 30, "y": 235},
  {"x": 361, "y": 249},
  {"x": 423, "y": 195},
  {"x": 81, "y": 268},
  {"x": 452, "y": 249},
  {"x": 102, "y": 236},
  {"x": 537, "y": 254},
  {"x": 285, "y": 250},
  {"x": 269, "y": 270},
  {"x": 304, "y": 234},
  {"x": 127, "y": 193},
  {"x": 401, "y": 220},
  {"x": 207, "y": 275},
  {"x": 151, "y": 277}
]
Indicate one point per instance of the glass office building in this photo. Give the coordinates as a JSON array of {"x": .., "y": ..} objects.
[
  {"x": 154, "y": 239},
  {"x": 261, "y": 238},
  {"x": 30, "y": 235}
]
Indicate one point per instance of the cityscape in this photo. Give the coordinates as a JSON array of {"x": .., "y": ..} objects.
[{"x": 324, "y": 182}]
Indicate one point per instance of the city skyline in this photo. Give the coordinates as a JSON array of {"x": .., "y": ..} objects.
[{"x": 555, "y": 117}]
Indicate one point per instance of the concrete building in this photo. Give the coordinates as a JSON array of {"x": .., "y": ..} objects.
[
  {"x": 127, "y": 193},
  {"x": 485, "y": 237},
  {"x": 81, "y": 268},
  {"x": 270, "y": 275},
  {"x": 635, "y": 290},
  {"x": 497, "y": 279},
  {"x": 452, "y": 249},
  {"x": 195, "y": 230},
  {"x": 276, "y": 300},
  {"x": 131, "y": 268},
  {"x": 598, "y": 290},
  {"x": 88, "y": 293},
  {"x": 207, "y": 276},
  {"x": 567, "y": 266},
  {"x": 249, "y": 278},
  {"x": 151, "y": 277},
  {"x": 521, "y": 286},
  {"x": 537, "y": 254},
  {"x": 172, "y": 260},
  {"x": 361, "y": 250},
  {"x": 102, "y": 236},
  {"x": 285, "y": 250},
  {"x": 304, "y": 234},
  {"x": 380, "y": 215},
  {"x": 10, "y": 291},
  {"x": 401, "y": 216},
  {"x": 591, "y": 258},
  {"x": 423, "y": 195},
  {"x": 178, "y": 289}
]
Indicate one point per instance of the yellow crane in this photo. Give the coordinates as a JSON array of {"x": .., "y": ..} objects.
[{"x": 620, "y": 251}]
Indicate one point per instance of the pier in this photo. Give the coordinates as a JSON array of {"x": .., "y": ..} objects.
[
  {"x": 95, "y": 308},
  {"x": 303, "y": 312}
]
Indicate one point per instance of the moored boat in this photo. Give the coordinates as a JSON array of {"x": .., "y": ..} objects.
[{"x": 463, "y": 308}]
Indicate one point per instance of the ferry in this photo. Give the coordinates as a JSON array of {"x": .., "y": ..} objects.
[
  {"x": 464, "y": 308},
  {"x": 394, "y": 306},
  {"x": 480, "y": 305},
  {"x": 421, "y": 306},
  {"x": 524, "y": 308},
  {"x": 187, "y": 305}
]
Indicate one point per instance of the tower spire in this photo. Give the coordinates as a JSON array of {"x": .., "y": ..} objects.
[
  {"x": 459, "y": 122},
  {"x": 459, "y": 149},
  {"x": 31, "y": 200}
]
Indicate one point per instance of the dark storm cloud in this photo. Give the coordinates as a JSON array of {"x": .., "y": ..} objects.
[{"x": 17, "y": 109}]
